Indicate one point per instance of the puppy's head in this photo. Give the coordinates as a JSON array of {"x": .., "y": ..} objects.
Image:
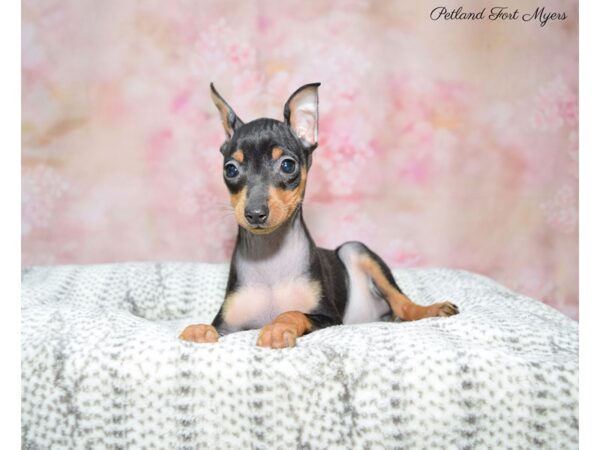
[{"x": 266, "y": 161}]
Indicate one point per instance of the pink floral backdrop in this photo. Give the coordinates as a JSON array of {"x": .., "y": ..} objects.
[{"x": 442, "y": 143}]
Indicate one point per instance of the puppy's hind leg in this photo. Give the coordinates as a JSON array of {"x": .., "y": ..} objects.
[{"x": 381, "y": 276}]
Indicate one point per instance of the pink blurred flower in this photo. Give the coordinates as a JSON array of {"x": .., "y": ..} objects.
[{"x": 555, "y": 105}]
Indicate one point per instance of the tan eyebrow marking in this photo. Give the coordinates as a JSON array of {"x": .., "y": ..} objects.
[
  {"x": 238, "y": 155},
  {"x": 276, "y": 153}
]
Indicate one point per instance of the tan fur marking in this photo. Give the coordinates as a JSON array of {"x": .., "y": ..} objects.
[
  {"x": 296, "y": 318},
  {"x": 284, "y": 330},
  {"x": 200, "y": 333},
  {"x": 282, "y": 202},
  {"x": 238, "y": 201},
  {"x": 238, "y": 155},
  {"x": 400, "y": 303},
  {"x": 276, "y": 153}
]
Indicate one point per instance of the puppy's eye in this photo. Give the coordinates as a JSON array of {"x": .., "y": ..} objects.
[
  {"x": 288, "y": 166},
  {"x": 231, "y": 171}
]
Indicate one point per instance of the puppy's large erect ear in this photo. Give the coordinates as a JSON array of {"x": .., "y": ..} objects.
[
  {"x": 301, "y": 113},
  {"x": 231, "y": 121}
]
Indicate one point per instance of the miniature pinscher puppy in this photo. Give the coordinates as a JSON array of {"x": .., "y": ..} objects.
[{"x": 279, "y": 280}]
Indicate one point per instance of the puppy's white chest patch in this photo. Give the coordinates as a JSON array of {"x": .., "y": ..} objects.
[
  {"x": 272, "y": 280},
  {"x": 253, "y": 306}
]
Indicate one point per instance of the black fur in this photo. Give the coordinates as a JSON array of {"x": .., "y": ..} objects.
[
  {"x": 258, "y": 173},
  {"x": 325, "y": 267}
]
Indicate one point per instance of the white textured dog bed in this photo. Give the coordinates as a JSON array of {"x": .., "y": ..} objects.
[{"x": 102, "y": 368}]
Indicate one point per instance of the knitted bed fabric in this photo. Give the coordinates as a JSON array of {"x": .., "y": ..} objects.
[{"x": 102, "y": 368}]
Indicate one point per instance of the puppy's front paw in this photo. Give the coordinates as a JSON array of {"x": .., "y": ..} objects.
[
  {"x": 277, "y": 335},
  {"x": 444, "y": 309},
  {"x": 200, "y": 333}
]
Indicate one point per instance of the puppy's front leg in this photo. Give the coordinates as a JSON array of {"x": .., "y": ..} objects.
[
  {"x": 200, "y": 333},
  {"x": 203, "y": 333},
  {"x": 284, "y": 330}
]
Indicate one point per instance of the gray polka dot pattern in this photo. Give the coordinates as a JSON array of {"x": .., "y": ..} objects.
[{"x": 102, "y": 368}]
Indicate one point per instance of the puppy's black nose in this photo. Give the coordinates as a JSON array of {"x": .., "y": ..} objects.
[{"x": 257, "y": 215}]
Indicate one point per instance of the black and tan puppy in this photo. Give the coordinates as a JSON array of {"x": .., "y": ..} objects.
[{"x": 279, "y": 280}]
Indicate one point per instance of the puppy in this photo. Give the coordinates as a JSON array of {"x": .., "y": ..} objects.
[{"x": 279, "y": 281}]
